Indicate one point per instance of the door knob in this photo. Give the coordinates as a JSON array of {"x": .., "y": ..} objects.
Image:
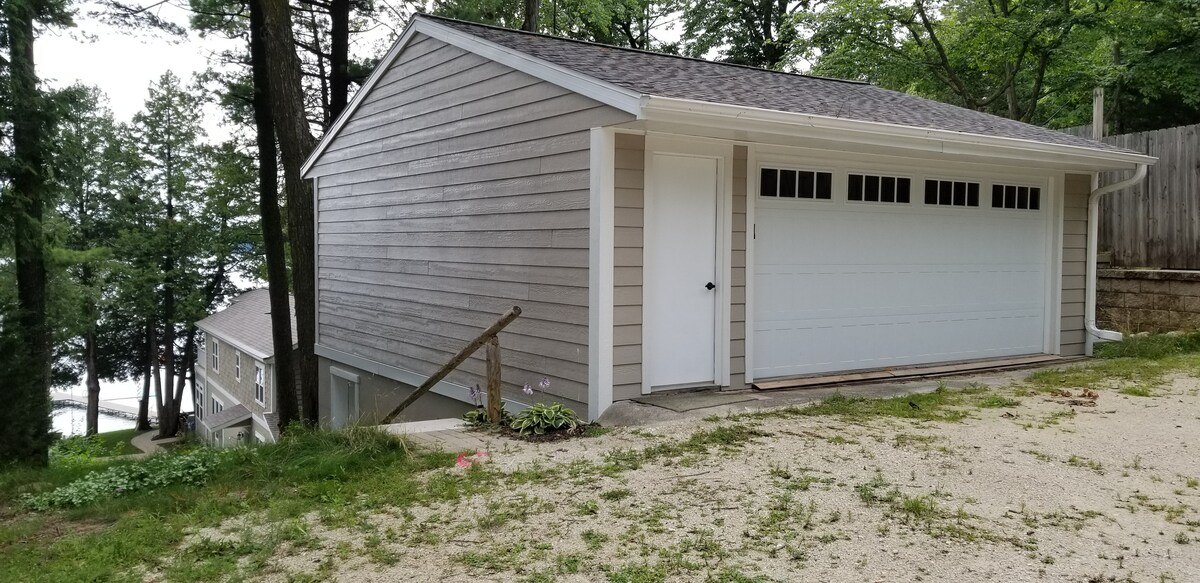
[{"x": 710, "y": 285}]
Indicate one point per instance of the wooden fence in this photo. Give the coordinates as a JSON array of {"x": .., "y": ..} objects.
[{"x": 1155, "y": 224}]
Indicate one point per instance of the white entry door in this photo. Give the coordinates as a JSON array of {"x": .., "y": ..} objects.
[{"x": 680, "y": 274}]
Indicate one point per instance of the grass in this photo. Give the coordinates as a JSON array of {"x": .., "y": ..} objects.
[
  {"x": 120, "y": 441},
  {"x": 339, "y": 475}
]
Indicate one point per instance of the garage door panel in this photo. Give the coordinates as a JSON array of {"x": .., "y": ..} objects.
[{"x": 844, "y": 287}]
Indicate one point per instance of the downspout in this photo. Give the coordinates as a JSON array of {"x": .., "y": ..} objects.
[{"x": 1093, "y": 243}]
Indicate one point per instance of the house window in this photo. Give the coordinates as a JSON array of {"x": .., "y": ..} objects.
[
  {"x": 203, "y": 342},
  {"x": 260, "y": 387},
  {"x": 217, "y": 406},
  {"x": 783, "y": 183},
  {"x": 951, "y": 193},
  {"x": 199, "y": 404},
  {"x": 237, "y": 365},
  {"x": 216, "y": 356},
  {"x": 1008, "y": 196},
  {"x": 870, "y": 188}
]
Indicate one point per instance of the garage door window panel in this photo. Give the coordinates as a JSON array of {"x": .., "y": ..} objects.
[
  {"x": 795, "y": 184},
  {"x": 1015, "y": 197},
  {"x": 958, "y": 193},
  {"x": 873, "y": 188}
]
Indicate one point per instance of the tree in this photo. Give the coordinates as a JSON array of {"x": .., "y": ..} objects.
[
  {"x": 756, "y": 33},
  {"x": 625, "y": 23},
  {"x": 90, "y": 158},
  {"x": 296, "y": 142},
  {"x": 25, "y": 421}
]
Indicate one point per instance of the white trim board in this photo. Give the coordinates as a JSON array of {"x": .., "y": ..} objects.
[
  {"x": 601, "y": 239},
  {"x": 604, "y": 92}
]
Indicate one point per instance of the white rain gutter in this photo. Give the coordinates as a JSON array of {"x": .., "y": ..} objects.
[
  {"x": 1093, "y": 236},
  {"x": 745, "y": 118}
]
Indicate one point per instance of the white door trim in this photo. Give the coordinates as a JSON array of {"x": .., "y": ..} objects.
[{"x": 722, "y": 153}]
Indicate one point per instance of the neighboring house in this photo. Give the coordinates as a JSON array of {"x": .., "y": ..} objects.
[
  {"x": 235, "y": 373},
  {"x": 668, "y": 223}
]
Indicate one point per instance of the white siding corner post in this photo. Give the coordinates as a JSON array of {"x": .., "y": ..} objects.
[{"x": 601, "y": 233}]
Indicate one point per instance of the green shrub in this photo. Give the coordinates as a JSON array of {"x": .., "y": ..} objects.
[
  {"x": 155, "y": 472},
  {"x": 541, "y": 418},
  {"x": 479, "y": 417},
  {"x": 81, "y": 449}
]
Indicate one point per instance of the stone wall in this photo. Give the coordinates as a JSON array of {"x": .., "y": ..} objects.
[{"x": 1146, "y": 300}]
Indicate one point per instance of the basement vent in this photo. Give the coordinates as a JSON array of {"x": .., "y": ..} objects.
[
  {"x": 869, "y": 188},
  {"x": 1007, "y": 196}
]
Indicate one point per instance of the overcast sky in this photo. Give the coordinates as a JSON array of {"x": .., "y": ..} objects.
[{"x": 122, "y": 64}]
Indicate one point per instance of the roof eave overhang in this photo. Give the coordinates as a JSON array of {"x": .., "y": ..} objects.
[
  {"x": 238, "y": 344},
  {"x": 930, "y": 141}
]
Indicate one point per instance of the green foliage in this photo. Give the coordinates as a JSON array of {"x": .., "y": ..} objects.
[
  {"x": 1033, "y": 61},
  {"x": 82, "y": 449},
  {"x": 478, "y": 417},
  {"x": 1156, "y": 346},
  {"x": 540, "y": 418},
  {"x": 756, "y": 33},
  {"x": 190, "y": 468}
]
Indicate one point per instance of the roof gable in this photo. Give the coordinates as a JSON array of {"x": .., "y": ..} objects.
[{"x": 246, "y": 323}]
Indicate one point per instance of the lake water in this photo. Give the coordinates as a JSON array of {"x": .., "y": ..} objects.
[{"x": 73, "y": 420}]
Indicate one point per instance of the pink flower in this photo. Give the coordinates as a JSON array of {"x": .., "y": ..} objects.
[
  {"x": 545, "y": 384},
  {"x": 528, "y": 390},
  {"x": 466, "y": 461}
]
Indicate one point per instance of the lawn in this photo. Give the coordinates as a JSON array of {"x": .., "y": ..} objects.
[
  {"x": 119, "y": 441},
  {"x": 1019, "y": 482}
]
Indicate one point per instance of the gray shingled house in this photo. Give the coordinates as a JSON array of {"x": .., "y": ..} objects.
[
  {"x": 672, "y": 223},
  {"x": 235, "y": 373}
]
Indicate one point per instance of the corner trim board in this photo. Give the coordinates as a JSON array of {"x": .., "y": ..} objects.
[{"x": 601, "y": 238}]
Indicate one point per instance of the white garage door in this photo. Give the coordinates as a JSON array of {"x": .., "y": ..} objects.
[{"x": 854, "y": 271}]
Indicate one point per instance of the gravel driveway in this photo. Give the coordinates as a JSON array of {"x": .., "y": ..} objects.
[{"x": 1038, "y": 481}]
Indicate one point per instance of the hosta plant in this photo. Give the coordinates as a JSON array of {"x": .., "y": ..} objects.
[{"x": 541, "y": 418}]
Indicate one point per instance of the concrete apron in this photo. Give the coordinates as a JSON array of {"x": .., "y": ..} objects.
[{"x": 685, "y": 405}]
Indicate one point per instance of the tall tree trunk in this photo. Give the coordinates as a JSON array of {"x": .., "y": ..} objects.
[
  {"x": 186, "y": 372},
  {"x": 143, "y": 420},
  {"x": 93, "y": 382},
  {"x": 339, "y": 57},
  {"x": 296, "y": 142},
  {"x": 25, "y": 423},
  {"x": 532, "y": 7},
  {"x": 286, "y": 404}
]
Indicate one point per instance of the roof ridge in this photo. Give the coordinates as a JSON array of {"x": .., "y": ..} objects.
[{"x": 642, "y": 51}]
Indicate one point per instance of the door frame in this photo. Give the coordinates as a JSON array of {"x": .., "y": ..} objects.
[
  {"x": 722, "y": 153},
  {"x": 1050, "y": 180},
  {"x": 336, "y": 375}
]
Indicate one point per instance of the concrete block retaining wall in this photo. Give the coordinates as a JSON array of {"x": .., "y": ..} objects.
[{"x": 1148, "y": 300}]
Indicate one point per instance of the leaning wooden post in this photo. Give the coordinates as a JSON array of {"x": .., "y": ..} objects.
[
  {"x": 458, "y": 359},
  {"x": 494, "y": 398}
]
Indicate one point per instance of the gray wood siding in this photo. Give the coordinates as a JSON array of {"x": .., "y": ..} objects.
[
  {"x": 241, "y": 389},
  {"x": 459, "y": 188},
  {"x": 627, "y": 261},
  {"x": 1074, "y": 266},
  {"x": 737, "y": 287}
]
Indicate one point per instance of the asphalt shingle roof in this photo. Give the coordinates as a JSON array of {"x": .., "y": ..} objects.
[
  {"x": 685, "y": 78},
  {"x": 247, "y": 321}
]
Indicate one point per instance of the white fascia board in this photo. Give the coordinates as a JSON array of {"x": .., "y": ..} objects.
[
  {"x": 609, "y": 94},
  {"x": 668, "y": 109},
  {"x": 361, "y": 94},
  {"x": 606, "y": 93}
]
